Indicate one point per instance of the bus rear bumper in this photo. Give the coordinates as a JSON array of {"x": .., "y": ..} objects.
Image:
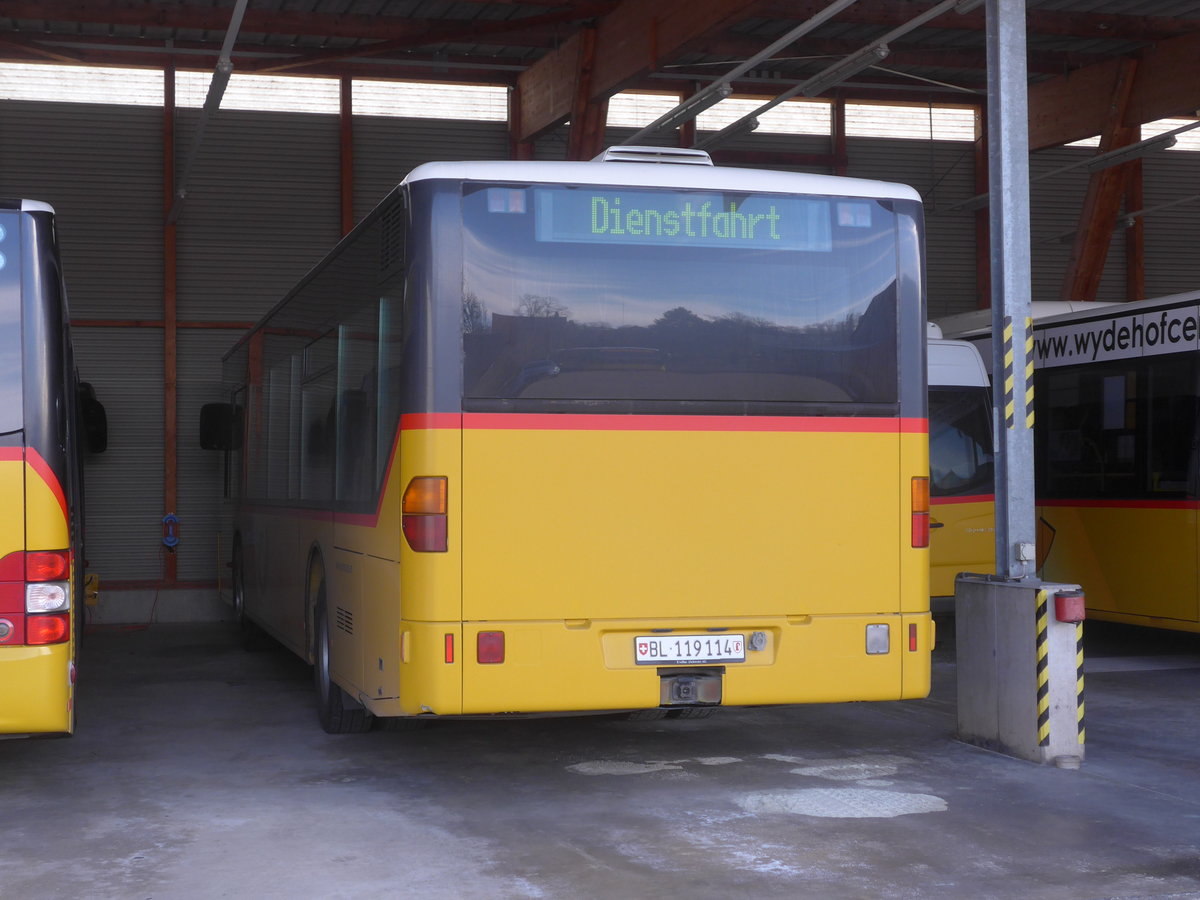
[
  {"x": 591, "y": 665},
  {"x": 36, "y": 694}
]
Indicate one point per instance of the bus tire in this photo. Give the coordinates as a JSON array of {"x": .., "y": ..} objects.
[
  {"x": 239, "y": 588},
  {"x": 338, "y": 712},
  {"x": 254, "y": 638}
]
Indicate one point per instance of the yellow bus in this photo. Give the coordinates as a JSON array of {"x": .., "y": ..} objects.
[
  {"x": 569, "y": 437},
  {"x": 961, "y": 476},
  {"x": 1118, "y": 457},
  {"x": 43, "y": 411}
]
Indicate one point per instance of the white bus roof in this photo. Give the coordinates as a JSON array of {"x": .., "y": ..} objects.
[
  {"x": 955, "y": 363},
  {"x": 979, "y": 321},
  {"x": 684, "y": 176},
  {"x": 1123, "y": 309}
]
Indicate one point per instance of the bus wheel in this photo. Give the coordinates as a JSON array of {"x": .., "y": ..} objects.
[
  {"x": 239, "y": 590},
  {"x": 253, "y": 637},
  {"x": 338, "y": 711}
]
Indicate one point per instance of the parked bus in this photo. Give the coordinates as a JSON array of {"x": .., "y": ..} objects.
[
  {"x": 961, "y": 478},
  {"x": 623, "y": 435},
  {"x": 1117, "y": 456},
  {"x": 46, "y": 420}
]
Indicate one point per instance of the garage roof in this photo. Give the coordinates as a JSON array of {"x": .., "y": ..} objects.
[
  {"x": 548, "y": 49},
  {"x": 493, "y": 41}
]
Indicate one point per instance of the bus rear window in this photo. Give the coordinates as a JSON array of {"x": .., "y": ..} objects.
[
  {"x": 10, "y": 324},
  {"x": 650, "y": 296}
]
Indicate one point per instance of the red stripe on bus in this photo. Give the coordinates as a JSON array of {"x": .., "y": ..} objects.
[
  {"x": 1122, "y": 504},
  {"x": 606, "y": 422},
  {"x": 966, "y": 498},
  {"x": 43, "y": 470},
  {"x": 367, "y": 520},
  {"x": 12, "y": 567},
  {"x": 39, "y": 465}
]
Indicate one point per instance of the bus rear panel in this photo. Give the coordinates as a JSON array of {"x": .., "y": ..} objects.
[
  {"x": 592, "y": 437},
  {"x": 37, "y": 561}
]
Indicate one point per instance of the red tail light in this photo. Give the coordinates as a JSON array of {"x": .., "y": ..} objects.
[
  {"x": 48, "y": 629},
  {"x": 424, "y": 514},
  {"x": 425, "y": 534},
  {"x": 47, "y": 565},
  {"x": 920, "y": 511}
]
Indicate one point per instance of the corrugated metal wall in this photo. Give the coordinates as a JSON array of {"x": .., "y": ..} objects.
[
  {"x": 1172, "y": 235},
  {"x": 263, "y": 206},
  {"x": 943, "y": 173},
  {"x": 387, "y": 149},
  {"x": 101, "y": 169},
  {"x": 1054, "y": 204}
]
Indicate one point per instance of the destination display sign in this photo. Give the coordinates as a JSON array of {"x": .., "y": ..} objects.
[{"x": 691, "y": 219}]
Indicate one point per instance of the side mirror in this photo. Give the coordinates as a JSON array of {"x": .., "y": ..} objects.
[
  {"x": 220, "y": 426},
  {"x": 93, "y": 418}
]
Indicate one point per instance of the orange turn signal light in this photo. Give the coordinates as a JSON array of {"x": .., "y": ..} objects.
[
  {"x": 425, "y": 496},
  {"x": 920, "y": 511}
]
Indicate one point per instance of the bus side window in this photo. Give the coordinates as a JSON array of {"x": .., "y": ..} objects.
[{"x": 358, "y": 377}]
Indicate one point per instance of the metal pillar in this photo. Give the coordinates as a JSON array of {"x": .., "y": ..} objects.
[
  {"x": 1012, "y": 347},
  {"x": 170, "y": 323}
]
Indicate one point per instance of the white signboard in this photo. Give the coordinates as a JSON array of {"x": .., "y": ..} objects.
[{"x": 1118, "y": 337}]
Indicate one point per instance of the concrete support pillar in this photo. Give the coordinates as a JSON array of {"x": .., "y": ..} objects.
[{"x": 1020, "y": 669}]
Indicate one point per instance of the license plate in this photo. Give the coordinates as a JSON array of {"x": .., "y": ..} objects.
[{"x": 669, "y": 649}]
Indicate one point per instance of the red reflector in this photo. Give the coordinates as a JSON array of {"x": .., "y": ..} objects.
[
  {"x": 51, "y": 629},
  {"x": 489, "y": 647},
  {"x": 449, "y": 648},
  {"x": 912, "y": 637},
  {"x": 47, "y": 565},
  {"x": 425, "y": 534},
  {"x": 920, "y": 529},
  {"x": 1069, "y": 606}
]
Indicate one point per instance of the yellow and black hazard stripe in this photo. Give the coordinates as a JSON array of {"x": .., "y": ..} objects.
[
  {"x": 1010, "y": 398},
  {"x": 1043, "y": 668},
  {"x": 1009, "y": 401},
  {"x": 1079, "y": 681},
  {"x": 1028, "y": 372}
]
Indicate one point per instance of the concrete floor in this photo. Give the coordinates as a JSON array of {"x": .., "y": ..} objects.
[{"x": 199, "y": 771}]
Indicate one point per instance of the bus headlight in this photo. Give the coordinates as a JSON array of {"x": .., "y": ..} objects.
[{"x": 47, "y": 596}]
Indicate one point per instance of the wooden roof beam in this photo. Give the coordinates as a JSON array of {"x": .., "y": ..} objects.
[
  {"x": 1109, "y": 26},
  {"x": 457, "y": 32},
  {"x": 1076, "y": 106},
  {"x": 288, "y": 22},
  {"x": 631, "y": 41},
  {"x": 1042, "y": 62}
]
